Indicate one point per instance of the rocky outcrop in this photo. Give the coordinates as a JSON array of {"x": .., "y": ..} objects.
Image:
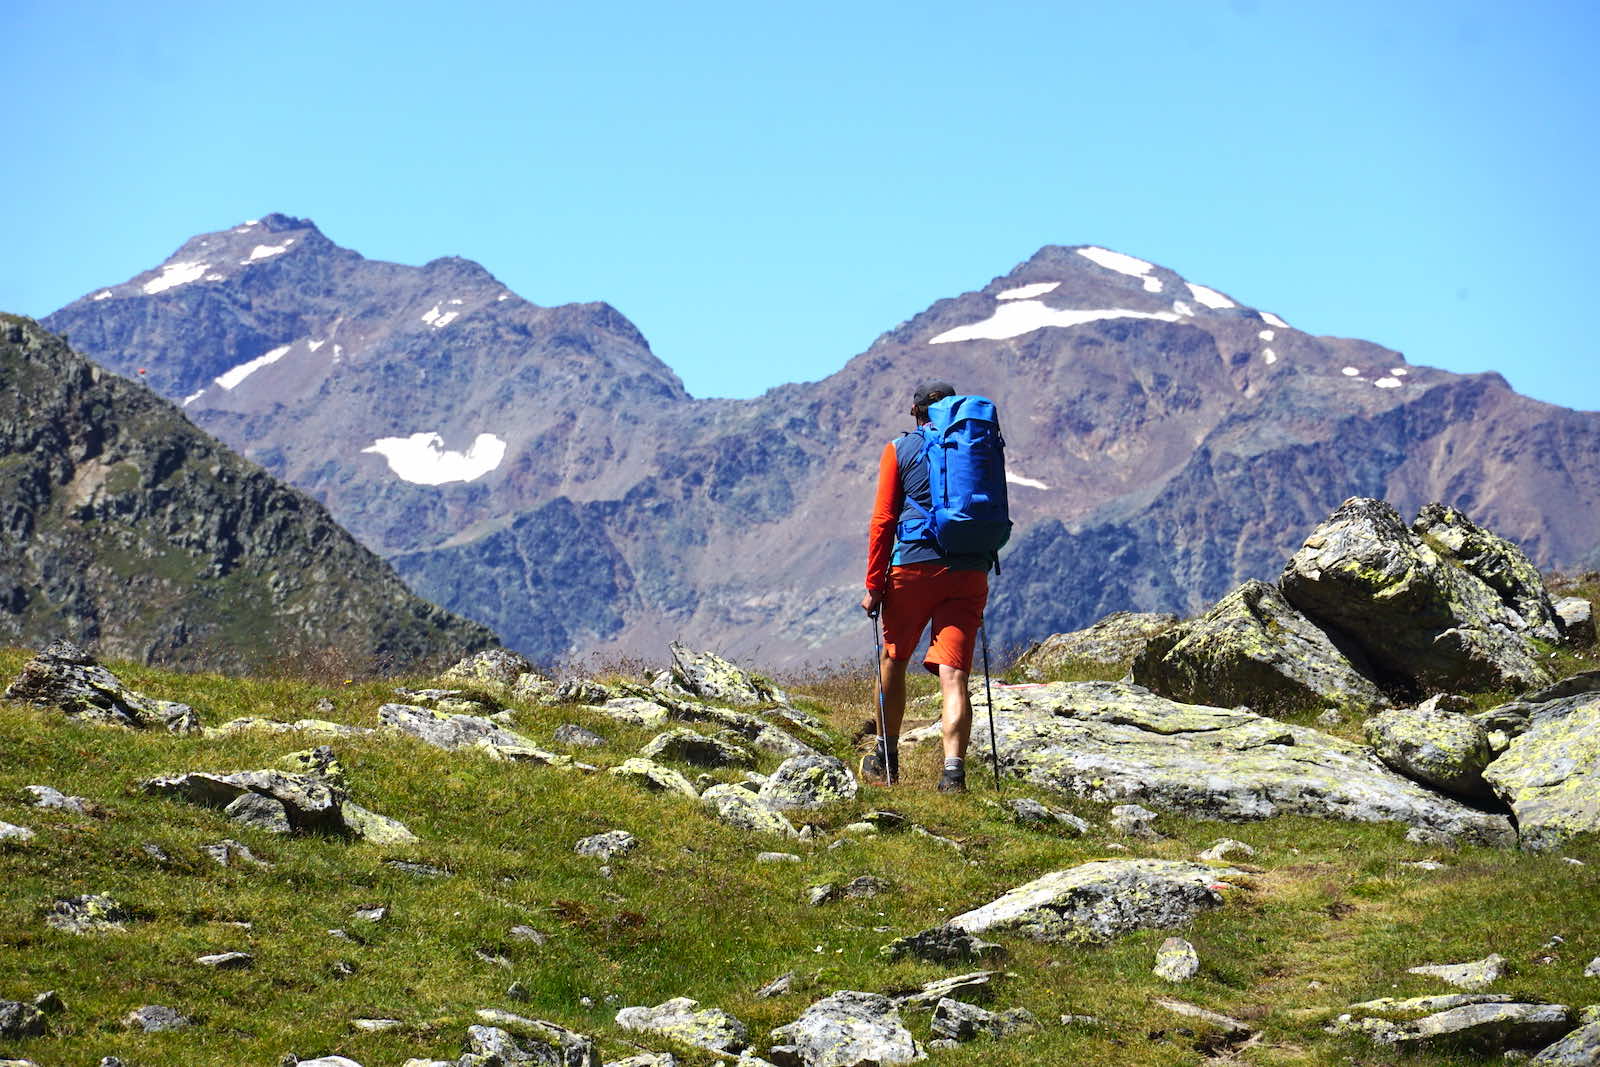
[
  {"x": 309, "y": 803},
  {"x": 684, "y": 1020},
  {"x": 466, "y": 731},
  {"x": 64, "y": 676},
  {"x": 687, "y": 746},
  {"x": 710, "y": 677},
  {"x": 1111, "y": 741},
  {"x": 808, "y": 783},
  {"x": 1100, "y": 900},
  {"x": 654, "y": 777},
  {"x": 1581, "y": 1048},
  {"x": 1497, "y": 563},
  {"x": 1442, "y": 749},
  {"x": 514, "y": 1039},
  {"x": 1112, "y": 641},
  {"x": 1254, "y": 648},
  {"x": 1550, "y": 774},
  {"x": 1413, "y": 612},
  {"x": 501, "y": 673},
  {"x": 1477, "y": 1022},
  {"x": 847, "y": 1029},
  {"x": 956, "y": 1020}
]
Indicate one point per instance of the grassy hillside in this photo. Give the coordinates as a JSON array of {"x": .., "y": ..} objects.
[{"x": 1334, "y": 916}]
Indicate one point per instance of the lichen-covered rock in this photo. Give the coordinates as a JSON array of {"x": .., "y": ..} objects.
[
  {"x": 1497, "y": 563},
  {"x": 1102, "y": 899},
  {"x": 847, "y": 1029},
  {"x": 1176, "y": 961},
  {"x": 154, "y": 1018},
  {"x": 1224, "y": 847},
  {"x": 1439, "y": 748},
  {"x": 570, "y": 733},
  {"x": 373, "y": 828},
  {"x": 443, "y": 730},
  {"x": 645, "y": 1059},
  {"x": 1412, "y": 612},
  {"x": 739, "y": 807},
  {"x": 1254, "y": 648},
  {"x": 90, "y": 913},
  {"x": 974, "y": 988},
  {"x": 1132, "y": 820},
  {"x": 45, "y": 796},
  {"x": 64, "y": 676},
  {"x": 687, "y": 746},
  {"x": 13, "y": 832},
  {"x": 808, "y": 783},
  {"x": 320, "y": 727},
  {"x": 711, "y": 677},
  {"x": 1580, "y": 1048},
  {"x": 1114, "y": 742},
  {"x": 1484, "y": 1026},
  {"x": 632, "y": 710},
  {"x": 517, "y": 1039},
  {"x": 1028, "y": 812},
  {"x": 21, "y": 1020},
  {"x": 607, "y": 845},
  {"x": 960, "y": 1021},
  {"x": 1474, "y": 975},
  {"x": 223, "y": 853},
  {"x": 260, "y": 812},
  {"x": 1577, "y": 621},
  {"x": 685, "y": 1021},
  {"x": 227, "y": 961},
  {"x": 494, "y": 670},
  {"x": 1227, "y": 1025},
  {"x": 1550, "y": 775},
  {"x": 1111, "y": 642},
  {"x": 311, "y": 802},
  {"x": 450, "y": 701},
  {"x": 941, "y": 944},
  {"x": 654, "y": 777}
]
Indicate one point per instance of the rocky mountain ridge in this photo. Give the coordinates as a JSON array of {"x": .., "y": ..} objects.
[
  {"x": 129, "y": 529},
  {"x": 540, "y": 470}
]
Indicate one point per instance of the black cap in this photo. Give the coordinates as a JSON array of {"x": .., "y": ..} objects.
[{"x": 931, "y": 392}]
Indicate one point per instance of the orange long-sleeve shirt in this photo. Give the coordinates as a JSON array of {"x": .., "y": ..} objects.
[{"x": 886, "y": 507}]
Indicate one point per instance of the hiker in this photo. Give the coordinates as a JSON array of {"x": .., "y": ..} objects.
[{"x": 912, "y": 582}]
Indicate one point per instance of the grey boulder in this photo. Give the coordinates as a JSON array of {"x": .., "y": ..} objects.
[
  {"x": 684, "y": 1020},
  {"x": 1110, "y": 642},
  {"x": 89, "y": 913},
  {"x": 941, "y": 944},
  {"x": 1254, "y": 648},
  {"x": 453, "y": 732},
  {"x": 1497, "y": 563},
  {"x": 687, "y": 746},
  {"x": 607, "y": 845},
  {"x": 312, "y": 802},
  {"x": 847, "y": 1029},
  {"x": 711, "y": 677},
  {"x": 654, "y": 777},
  {"x": 516, "y": 1039},
  {"x": 960, "y": 1021},
  {"x": 1580, "y": 1048},
  {"x": 1474, "y": 975},
  {"x": 1550, "y": 774},
  {"x": 154, "y": 1018},
  {"x": 21, "y": 1020},
  {"x": 739, "y": 807},
  {"x": 808, "y": 783},
  {"x": 1577, "y": 621},
  {"x": 1442, "y": 749},
  {"x": 1176, "y": 961},
  {"x": 64, "y": 676}
]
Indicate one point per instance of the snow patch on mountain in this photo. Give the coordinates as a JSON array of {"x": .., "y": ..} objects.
[
  {"x": 1399, "y": 372},
  {"x": 1027, "y": 292},
  {"x": 1018, "y": 317},
  {"x": 1351, "y": 372},
  {"x": 1031, "y": 483},
  {"x": 1267, "y": 335},
  {"x": 1269, "y": 317},
  {"x": 176, "y": 274},
  {"x": 192, "y": 397},
  {"x": 1387, "y": 383},
  {"x": 229, "y": 379},
  {"x": 1269, "y": 355},
  {"x": 423, "y": 460},
  {"x": 1209, "y": 297},
  {"x": 439, "y": 319},
  {"x": 266, "y": 251},
  {"x": 104, "y": 294}
]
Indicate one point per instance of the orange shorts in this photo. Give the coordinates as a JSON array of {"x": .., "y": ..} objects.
[{"x": 920, "y": 593}]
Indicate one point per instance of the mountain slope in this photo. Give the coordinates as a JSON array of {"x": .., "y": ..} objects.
[
  {"x": 1165, "y": 441},
  {"x": 128, "y": 529}
]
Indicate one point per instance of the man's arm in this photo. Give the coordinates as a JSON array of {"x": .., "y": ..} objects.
[{"x": 886, "y": 507}]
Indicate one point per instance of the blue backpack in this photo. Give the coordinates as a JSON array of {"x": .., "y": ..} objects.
[{"x": 966, "y": 478}]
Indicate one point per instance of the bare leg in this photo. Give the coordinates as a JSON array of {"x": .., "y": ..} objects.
[
  {"x": 957, "y": 710},
  {"x": 892, "y": 676}
]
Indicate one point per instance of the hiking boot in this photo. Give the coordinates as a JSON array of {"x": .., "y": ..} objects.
[
  {"x": 953, "y": 781},
  {"x": 874, "y": 770}
]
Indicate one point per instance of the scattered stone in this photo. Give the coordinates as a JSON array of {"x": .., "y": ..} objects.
[
  {"x": 777, "y": 987},
  {"x": 739, "y": 807},
  {"x": 1593, "y": 970},
  {"x": 1254, "y": 647},
  {"x": 50, "y": 1002},
  {"x": 421, "y": 870},
  {"x": 87, "y": 914},
  {"x": 942, "y": 944},
  {"x": 312, "y": 801},
  {"x": 493, "y": 669},
  {"x": 1442, "y": 749},
  {"x": 1224, "y": 847},
  {"x": 1176, "y": 961},
  {"x": 647, "y": 1059},
  {"x": 64, "y": 676},
  {"x": 1476, "y": 975},
  {"x": 777, "y": 857},
  {"x": 494, "y": 959},
  {"x": 1427, "y": 865},
  {"x": 1580, "y": 1048},
  {"x": 375, "y": 1026},
  {"x": 320, "y": 727},
  {"x": 1550, "y": 775},
  {"x": 974, "y": 988},
  {"x": 960, "y": 1021},
  {"x": 455, "y": 732},
  {"x": 654, "y": 777},
  {"x": 1115, "y": 742},
  {"x": 328, "y": 1061},
  {"x": 21, "y": 1020},
  {"x": 46, "y": 797},
  {"x": 154, "y": 1018},
  {"x": 260, "y": 812},
  {"x": 1131, "y": 820},
  {"x": 711, "y": 677},
  {"x": 517, "y": 991},
  {"x": 226, "y": 851},
  {"x": 1111, "y": 642},
  {"x": 374, "y": 828},
  {"x": 607, "y": 845},
  {"x": 528, "y": 933},
  {"x": 374, "y": 914},
  {"x": 1231, "y": 1028},
  {"x": 1415, "y": 613},
  {"x": 687, "y": 746},
  {"x": 633, "y": 711},
  {"x": 1577, "y": 621},
  {"x": 847, "y": 1029},
  {"x": 808, "y": 783},
  {"x": 1028, "y": 812},
  {"x": 581, "y": 691},
  {"x": 1483, "y": 1026},
  {"x": 13, "y": 832},
  {"x": 573, "y": 734},
  {"x": 227, "y": 961},
  {"x": 684, "y": 1021}
]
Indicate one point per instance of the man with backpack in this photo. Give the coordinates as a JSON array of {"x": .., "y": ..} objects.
[{"x": 938, "y": 521}]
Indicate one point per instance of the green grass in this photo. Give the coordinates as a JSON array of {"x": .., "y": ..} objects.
[{"x": 1333, "y": 915}]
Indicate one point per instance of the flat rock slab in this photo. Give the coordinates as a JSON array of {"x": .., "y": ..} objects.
[
  {"x": 739, "y": 807},
  {"x": 452, "y": 732},
  {"x": 685, "y": 1021},
  {"x": 66, "y": 677},
  {"x": 1550, "y": 775},
  {"x": 318, "y": 727},
  {"x": 1112, "y": 641},
  {"x": 1113, "y": 741},
  {"x": 974, "y": 988},
  {"x": 942, "y": 944},
  {"x": 847, "y": 1029},
  {"x": 1474, "y": 975},
  {"x": 959, "y": 1021},
  {"x": 1253, "y": 647},
  {"x": 654, "y": 777},
  {"x": 517, "y": 1039},
  {"x": 1480, "y": 1027},
  {"x": 607, "y": 845},
  {"x": 1580, "y": 1048},
  {"x": 1100, "y": 900}
]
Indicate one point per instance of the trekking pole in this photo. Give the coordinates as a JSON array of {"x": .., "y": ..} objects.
[
  {"x": 877, "y": 676},
  {"x": 988, "y": 696}
]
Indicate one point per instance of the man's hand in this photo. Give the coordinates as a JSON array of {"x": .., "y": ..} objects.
[{"x": 871, "y": 602}]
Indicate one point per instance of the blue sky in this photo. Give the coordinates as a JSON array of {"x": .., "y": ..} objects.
[{"x": 764, "y": 189}]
